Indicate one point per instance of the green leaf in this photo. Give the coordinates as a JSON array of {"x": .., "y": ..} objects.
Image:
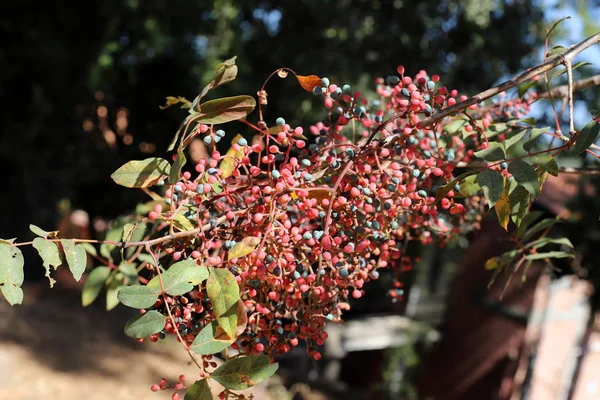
[
  {"x": 226, "y": 72},
  {"x": 525, "y": 175},
  {"x": 42, "y": 233},
  {"x": 172, "y": 100},
  {"x": 50, "y": 255},
  {"x": 90, "y": 249},
  {"x": 556, "y": 50},
  {"x": 550, "y": 254},
  {"x": 113, "y": 235},
  {"x": 144, "y": 325},
  {"x": 133, "y": 233},
  {"x": 138, "y": 296},
  {"x": 112, "y": 290},
  {"x": 181, "y": 278},
  {"x": 8, "y": 241},
  {"x": 528, "y": 219},
  {"x": 495, "y": 263},
  {"x": 543, "y": 224},
  {"x": 494, "y": 152},
  {"x": 468, "y": 187},
  {"x": 533, "y": 136},
  {"x": 561, "y": 71},
  {"x": 545, "y": 162},
  {"x": 11, "y": 273},
  {"x": 519, "y": 201},
  {"x": 224, "y": 110},
  {"x": 586, "y": 137},
  {"x": 181, "y": 222},
  {"x": 515, "y": 138},
  {"x": 496, "y": 129},
  {"x": 142, "y": 173},
  {"x": 554, "y": 25},
  {"x": 199, "y": 391},
  {"x": 536, "y": 244},
  {"x": 94, "y": 284},
  {"x": 76, "y": 258},
  {"x": 222, "y": 289},
  {"x": 502, "y": 207},
  {"x": 492, "y": 183},
  {"x": 177, "y": 165},
  {"x": 244, "y": 247},
  {"x": 211, "y": 340},
  {"x": 455, "y": 125},
  {"x": 525, "y": 87},
  {"x": 244, "y": 372},
  {"x": 130, "y": 272}
]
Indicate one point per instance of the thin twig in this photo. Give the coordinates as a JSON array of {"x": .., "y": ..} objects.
[{"x": 563, "y": 90}]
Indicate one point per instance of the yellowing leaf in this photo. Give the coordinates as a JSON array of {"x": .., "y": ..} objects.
[
  {"x": 228, "y": 164},
  {"x": 503, "y": 207},
  {"x": 308, "y": 83},
  {"x": 245, "y": 247},
  {"x": 494, "y": 263}
]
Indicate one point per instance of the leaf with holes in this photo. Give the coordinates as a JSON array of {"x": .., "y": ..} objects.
[
  {"x": 244, "y": 372},
  {"x": 144, "y": 325},
  {"x": 142, "y": 173},
  {"x": 50, "y": 256},
  {"x": 492, "y": 183},
  {"x": 11, "y": 273},
  {"x": 76, "y": 257}
]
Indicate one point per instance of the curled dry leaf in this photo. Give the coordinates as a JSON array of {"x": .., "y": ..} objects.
[{"x": 308, "y": 83}]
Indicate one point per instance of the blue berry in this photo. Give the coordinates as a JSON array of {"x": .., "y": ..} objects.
[
  {"x": 422, "y": 193},
  {"x": 317, "y": 90},
  {"x": 275, "y": 174},
  {"x": 207, "y": 140},
  {"x": 344, "y": 272},
  {"x": 325, "y": 82},
  {"x": 280, "y": 121},
  {"x": 242, "y": 142}
]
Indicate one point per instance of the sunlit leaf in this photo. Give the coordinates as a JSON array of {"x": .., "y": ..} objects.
[
  {"x": 224, "y": 110},
  {"x": 494, "y": 152},
  {"x": 550, "y": 254},
  {"x": 502, "y": 207},
  {"x": 231, "y": 158},
  {"x": 223, "y": 290},
  {"x": 244, "y": 247},
  {"x": 180, "y": 278},
  {"x": 142, "y": 173},
  {"x": 533, "y": 136},
  {"x": 171, "y": 101},
  {"x": 179, "y": 162},
  {"x": 138, "y": 296}
]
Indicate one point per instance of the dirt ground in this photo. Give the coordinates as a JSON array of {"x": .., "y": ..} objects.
[{"x": 53, "y": 348}]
